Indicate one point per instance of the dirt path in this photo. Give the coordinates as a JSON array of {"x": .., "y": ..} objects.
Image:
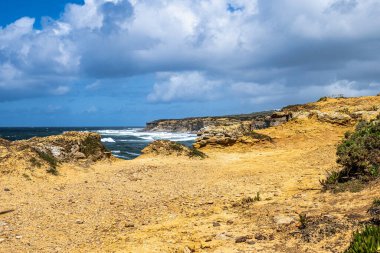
[{"x": 171, "y": 204}]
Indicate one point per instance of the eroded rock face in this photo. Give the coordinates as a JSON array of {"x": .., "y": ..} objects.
[
  {"x": 167, "y": 148},
  {"x": 193, "y": 125},
  {"x": 45, "y": 152}
]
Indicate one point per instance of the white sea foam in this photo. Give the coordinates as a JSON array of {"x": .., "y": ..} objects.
[
  {"x": 131, "y": 153},
  {"x": 116, "y": 151},
  {"x": 148, "y": 136},
  {"x": 107, "y": 140}
]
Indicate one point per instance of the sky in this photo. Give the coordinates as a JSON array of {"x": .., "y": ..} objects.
[{"x": 126, "y": 62}]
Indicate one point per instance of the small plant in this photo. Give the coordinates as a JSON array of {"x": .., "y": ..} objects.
[
  {"x": 247, "y": 201},
  {"x": 303, "y": 221},
  {"x": 27, "y": 177},
  {"x": 331, "y": 178},
  {"x": 374, "y": 211},
  {"x": 345, "y": 110},
  {"x": 35, "y": 162},
  {"x": 257, "y": 197},
  {"x": 322, "y": 99},
  {"x": 367, "y": 241},
  {"x": 376, "y": 203},
  {"x": 196, "y": 153},
  {"x": 53, "y": 171},
  {"x": 50, "y": 159}
]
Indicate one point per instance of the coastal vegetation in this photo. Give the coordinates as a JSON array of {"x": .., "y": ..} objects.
[{"x": 359, "y": 156}]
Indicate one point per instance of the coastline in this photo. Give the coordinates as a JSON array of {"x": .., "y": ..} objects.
[{"x": 247, "y": 196}]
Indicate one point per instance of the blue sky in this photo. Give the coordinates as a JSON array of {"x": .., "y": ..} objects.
[{"x": 122, "y": 63}]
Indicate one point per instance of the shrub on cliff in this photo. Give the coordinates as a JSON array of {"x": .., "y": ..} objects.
[{"x": 359, "y": 154}]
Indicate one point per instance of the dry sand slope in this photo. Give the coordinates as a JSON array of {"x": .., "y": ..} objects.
[{"x": 178, "y": 204}]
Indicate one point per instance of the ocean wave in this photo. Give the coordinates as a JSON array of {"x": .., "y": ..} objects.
[
  {"x": 116, "y": 151},
  {"x": 148, "y": 136},
  {"x": 131, "y": 153},
  {"x": 107, "y": 140}
]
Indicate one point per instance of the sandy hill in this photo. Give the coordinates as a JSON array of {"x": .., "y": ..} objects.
[{"x": 244, "y": 197}]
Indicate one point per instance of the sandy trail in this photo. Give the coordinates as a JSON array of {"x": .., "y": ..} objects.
[{"x": 172, "y": 204}]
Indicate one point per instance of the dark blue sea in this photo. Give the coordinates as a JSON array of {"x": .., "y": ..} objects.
[{"x": 123, "y": 142}]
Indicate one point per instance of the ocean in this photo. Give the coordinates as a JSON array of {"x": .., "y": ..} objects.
[{"x": 123, "y": 142}]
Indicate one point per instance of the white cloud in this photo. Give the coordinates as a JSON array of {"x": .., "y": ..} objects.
[
  {"x": 269, "y": 45},
  {"x": 188, "y": 86}
]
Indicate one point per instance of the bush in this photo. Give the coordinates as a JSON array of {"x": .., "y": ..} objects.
[
  {"x": 367, "y": 241},
  {"x": 359, "y": 155},
  {"x": 322, "y": 99}
]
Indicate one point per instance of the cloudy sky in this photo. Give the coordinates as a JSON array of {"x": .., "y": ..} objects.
[{"x": 125, "y": 62}]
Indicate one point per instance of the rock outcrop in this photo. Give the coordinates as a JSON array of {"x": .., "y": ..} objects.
[
  {"x": 193, "y": 125},
  {"x": 328, "y": 110},
  {"x": 167, "y": 148},
  {"x": 80, "y": 148}
]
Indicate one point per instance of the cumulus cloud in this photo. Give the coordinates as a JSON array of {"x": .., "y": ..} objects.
[{"x": 206, "y": 49}]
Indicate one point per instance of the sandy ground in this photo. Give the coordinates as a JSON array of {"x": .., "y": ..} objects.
[{"x": 173, "y": 204}]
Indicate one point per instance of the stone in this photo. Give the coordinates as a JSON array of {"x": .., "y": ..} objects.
[
  {"x": 7, "y": 189},
  {"x": 129, "y": 225},
  {"x": 241, "y": 239},
  {"x": 79, "y": 155},
  {"x": 18, "y": 237},
  {"x": 283, "y": 220},
  {"x": 79, "y": 221},
  {"x": 2, "y": 240},
  {"x": 260, "y": 237},
  {"x": 187, "y": 250},
  {"x": 216, "y": 224}
]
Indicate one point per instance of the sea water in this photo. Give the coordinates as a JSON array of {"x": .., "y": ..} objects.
[{"x": 123, "y": 142}]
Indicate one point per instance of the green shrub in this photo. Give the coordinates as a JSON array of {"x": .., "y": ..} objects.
[
  {"x": 90, "y": 146},
  {"x": 367, "y": 241},
  {"x": 359, "y": 155}
]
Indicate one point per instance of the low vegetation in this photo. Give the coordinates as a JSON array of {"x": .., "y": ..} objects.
[
  {"x": 197, "y": 153},
  {"x": 50, "y": 159},
  {"x": 259, "y": 136},
  {"x": 359, "y": 156},
  {"x": 367, "y": 241}
]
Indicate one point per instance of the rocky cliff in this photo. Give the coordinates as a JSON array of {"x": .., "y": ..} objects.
[
  {"x": 193, "y": 125},
  {"x": 47, "y": 153},
  {"x": 338, "y": 111}
]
